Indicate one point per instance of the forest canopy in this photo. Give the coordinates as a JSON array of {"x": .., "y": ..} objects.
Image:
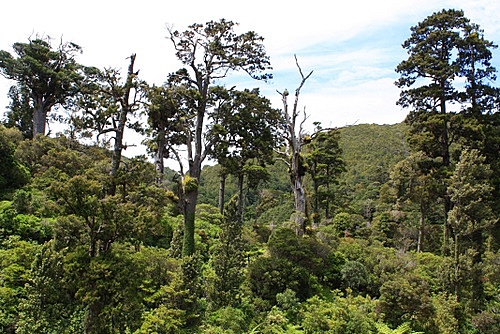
[{"x": 361, "y": 229}]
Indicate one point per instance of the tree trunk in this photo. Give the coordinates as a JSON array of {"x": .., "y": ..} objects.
[
  {"x": 477, "y": 272},
  {"x": 159, "y": 156},
  {"x": 457, "y": 268},
  {"x": 295, "y": 160},
  {"x": 189, "y": 206},
  {"x": 39, "y": 118},
  {"x": 300, "y": 207},
  {"x": 421, "y": 228},
  {"x": 117, "y": 153},
  {"x": 328, "y": 199},
  {"x": 299, "y": 193},
  {"x": 222, "y": 189},
  {"x": 126, "y": 108},
  {"x": 241, "y": 199},
  {"x": 190, "y": 192}
]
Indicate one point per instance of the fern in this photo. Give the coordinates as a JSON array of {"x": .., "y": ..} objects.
[{"x": 404, "y": 328}]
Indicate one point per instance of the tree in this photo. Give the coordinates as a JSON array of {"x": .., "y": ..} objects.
[
  {"x": 12, "y": 174},
  {"x": 209, "y": 52},
  {"x": 165, "y": 113},
  {"x": 20, "y": 116},
  {"x": 45, "y": 77},
  {"x": 325, "y": 165},
  {"x": 431, "y": 49},
  {"x": 474, "y": 56},
  {"x": 108, "y": 106},
  {"x": 470, "y": 193},
  {"x": 294, "y": 136},
  {"x": 228, "y": 262},
  {"x": 414, "y": 182},
  {"x": 244, "y": 136},
  {"x": 444, "y": 49}
]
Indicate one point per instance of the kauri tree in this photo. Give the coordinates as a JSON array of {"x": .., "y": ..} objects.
[{"x": 45, "y": 77}]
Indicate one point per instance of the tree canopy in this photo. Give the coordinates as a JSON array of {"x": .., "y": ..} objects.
[{"x": 265, "y": 226}]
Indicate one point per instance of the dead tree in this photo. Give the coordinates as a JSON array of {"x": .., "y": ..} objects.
[{"x": 294, "y": 137}]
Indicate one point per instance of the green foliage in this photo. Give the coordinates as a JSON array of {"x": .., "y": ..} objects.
[
  {"x": 323, "y": 156},
  {"x": 269, "y": 276},
  {"x": 12, "y": 174},
  {"x": 76, "y": 257},
  {"x": 228, "y": 264},
  {"x": 226, "y": 320},
  {"x": 275, "y": 322},
  {"x": 369, "y": 152},
  {"x": 16, "y": 257},
  {"x": 341, "y": 315},
  {"x": 45, "y": 77},
  {"x": 345, "y": 224},
  {"x": 404, "y": 328},
  {"x": 405, "y": 298},
  {"x": 470, "y": 192},
  {"x": 354, "y": 276},
  {"x": 48, "y": 307},
  {"x": 162, "y": 320},
  {"x": 447, "y": 313}
]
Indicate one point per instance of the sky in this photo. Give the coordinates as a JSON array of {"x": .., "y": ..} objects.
[{"x": 351, "y": 46}]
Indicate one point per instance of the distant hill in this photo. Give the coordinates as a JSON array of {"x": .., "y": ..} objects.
[{"x": 370, "y": 151}]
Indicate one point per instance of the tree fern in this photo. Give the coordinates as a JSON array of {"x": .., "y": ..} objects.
[{"x": 404, "y": 328}]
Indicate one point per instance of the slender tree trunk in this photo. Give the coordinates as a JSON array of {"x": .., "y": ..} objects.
[
  {"x": 159, "y": 156},
  {"x": 327, "y": 204},
  {"x": 241, "y": 199},
  {"x": 316, "y": 209},
  {"x": 421, "y": 228},
  {"x": 222, "y": 189},
  {"x": 477, "y": 272},
  {"x": 298, "y": 193},
  {"x": 457, "y": 269},
  {"x": 445, "y": 148},
  {"x": 117, "y": 153}
]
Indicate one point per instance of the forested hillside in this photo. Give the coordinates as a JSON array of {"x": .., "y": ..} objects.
[{"x": 363, "y": 229}]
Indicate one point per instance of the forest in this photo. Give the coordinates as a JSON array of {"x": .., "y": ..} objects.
[{"x": 263, "y": 226}]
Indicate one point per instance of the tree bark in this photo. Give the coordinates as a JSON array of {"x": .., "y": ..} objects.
[
  {"x": 241, "y": 199},
  {"x": 126, "y": 108},
  {"x": 190, "y": 199},
  {"x": 299, "y": 193},
  {"x": 294, "y": 154},
  {"x": 421, "y": 228},
  {"x": 159, "y": 156},
  {"x": 222, "y": 189},
  {"x": 39, "y": 118}
]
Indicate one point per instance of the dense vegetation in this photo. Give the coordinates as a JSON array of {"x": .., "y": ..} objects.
[{"x": 399, "y": 234}]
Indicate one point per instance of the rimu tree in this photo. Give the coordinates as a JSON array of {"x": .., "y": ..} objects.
[{"x": 448, "y": 63}]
